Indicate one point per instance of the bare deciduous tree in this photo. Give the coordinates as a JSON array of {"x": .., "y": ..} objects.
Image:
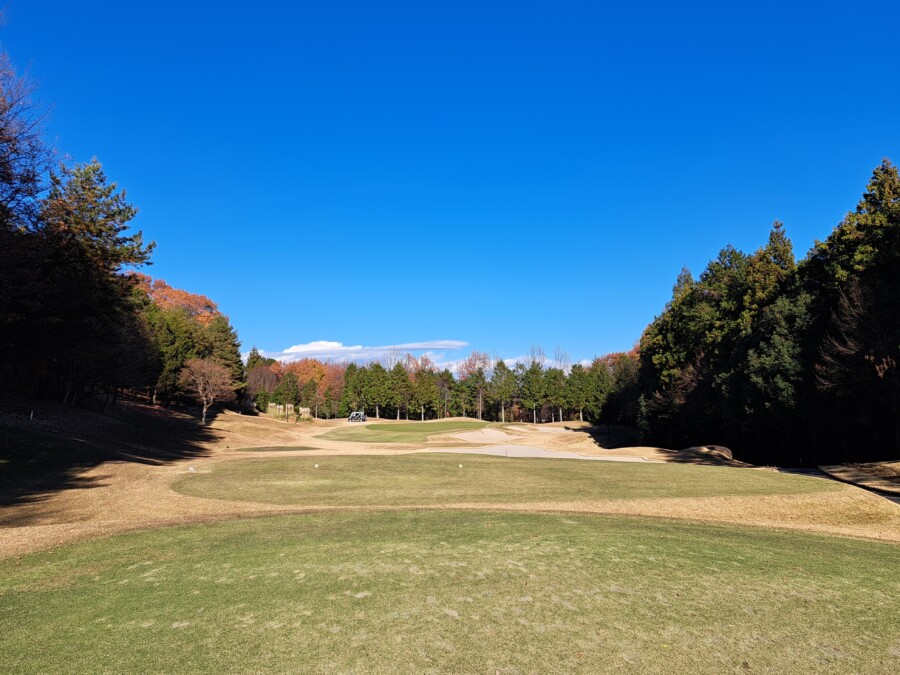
[
  {"x": 391, "y": 358},
  {"x": 261, "y": 378},
  {"x": 862, "y": 346},
  {"x": 562, "y": 359},
  {"x": 24, "y": 158},
  {"x": 208, "y": 382}
]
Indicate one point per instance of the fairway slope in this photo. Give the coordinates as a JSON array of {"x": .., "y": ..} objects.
[
  {"x": 454, "y": 592},
  {"x": 309, "y": 552},
  {"x": 445, "y": 481}
]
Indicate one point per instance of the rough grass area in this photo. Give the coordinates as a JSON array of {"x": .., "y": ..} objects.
[
  {"x": 423, "y": 479},
  {"x": 454, "y": 592},
  {"x": 401, "y": 432}
]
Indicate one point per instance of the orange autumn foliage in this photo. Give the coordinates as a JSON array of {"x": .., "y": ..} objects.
[
  {"x": 166, "y": 297},
  {"x": 306, "y": 370}
]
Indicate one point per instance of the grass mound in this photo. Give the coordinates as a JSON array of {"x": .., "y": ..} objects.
[
  {"x": 401, "y": 432},
  {"x": 453, "y": 592},
  {"x": 423, "y": 479}
]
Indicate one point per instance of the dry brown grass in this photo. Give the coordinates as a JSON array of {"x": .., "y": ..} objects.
[
  {"x": 883, "y": 476},
  {"x": 125, "y": 495}
]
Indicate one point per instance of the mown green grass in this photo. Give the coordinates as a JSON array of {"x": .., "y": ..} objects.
[
  {"x": 437, "y": 591},
  {"x": 401, "y": 432},
  {"x": 422, "y": 479}
]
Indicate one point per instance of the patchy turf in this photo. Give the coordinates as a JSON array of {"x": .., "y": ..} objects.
[
  {"x": 401, "y": 432},
  {"x": 437, "y": 479},
  {"x": 454, "y": 592}
]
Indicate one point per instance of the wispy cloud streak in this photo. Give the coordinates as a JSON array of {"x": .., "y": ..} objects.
[{"x": 326, "y": 350}]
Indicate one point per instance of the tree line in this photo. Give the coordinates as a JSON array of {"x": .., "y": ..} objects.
[
  {"x": 77, "y": 322},
  {"x": 411, "y": 387},
  {"x": 785, "y": 361}
]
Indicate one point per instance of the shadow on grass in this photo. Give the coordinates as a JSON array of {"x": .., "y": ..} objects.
[
  {"x": 610, "y": 436},
  {"x": 51, "y": 452},
  {"x": 613, "y": 436}
]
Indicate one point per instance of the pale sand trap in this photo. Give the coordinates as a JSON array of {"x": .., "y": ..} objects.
[
  {"x": 531, "y": 451},
  {"x": 483, "y": 436},
  {"x": 543, "y": 428}
]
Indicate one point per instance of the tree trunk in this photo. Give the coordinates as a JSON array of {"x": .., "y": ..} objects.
[
  {"x": 154, "y": 396},
  {"x": 580, "y": 415},
  {"x": 70, "y": 385},
  {"x": 398, "y": 413},
  {"x": 376, "y": 411},
  {"x": 423, "y": 412},
  {"x": 205, "y": 407},
  {"x": 502, "y": 413},
  {"x": 534, "y": 410},
  {"x": 560, "y": 414},
  {"x": 34, "y": 383}
]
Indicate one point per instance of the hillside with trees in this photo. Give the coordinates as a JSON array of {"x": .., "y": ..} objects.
[
  {"x": 785, "y": 362},
  {"x": 77, "y": 323}
]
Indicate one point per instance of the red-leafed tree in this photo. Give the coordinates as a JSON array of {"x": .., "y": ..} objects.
[
  {"x": 331, "y": 388},
  {"x": 474, "y": 378},
  {"x": 208, "y": 382}
]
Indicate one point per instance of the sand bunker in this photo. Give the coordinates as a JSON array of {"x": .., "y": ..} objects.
[
  {"x": 484, "y": 436},
  {"x": 549, "y": 429},
  {"x": 531, "y": 451}
]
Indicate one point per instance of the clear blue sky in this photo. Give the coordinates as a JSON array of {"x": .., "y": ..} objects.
[{"x": 500, "y": 174}]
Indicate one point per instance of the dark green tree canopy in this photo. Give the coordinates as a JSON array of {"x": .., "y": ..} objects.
[{"x": 83, "y": 210}]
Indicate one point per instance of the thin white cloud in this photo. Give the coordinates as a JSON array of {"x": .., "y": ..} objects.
[
  {"x": 327, "y": 350},
  {"x": 444, "y": 354},
  {"x": 317, "y": 346}
]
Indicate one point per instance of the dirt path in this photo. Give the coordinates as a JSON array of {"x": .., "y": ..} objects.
[{"x": 126, "y": 495}]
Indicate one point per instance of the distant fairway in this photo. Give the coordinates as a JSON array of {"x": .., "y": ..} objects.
[
  {"x": 415, "y": 479},
  {"x": 454, "y": 591},
  {"x": 401, "y": 432}
]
